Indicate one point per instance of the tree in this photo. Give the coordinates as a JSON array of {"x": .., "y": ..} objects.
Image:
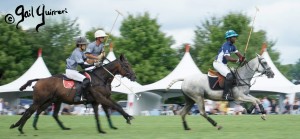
[
  {"x": 15, "y": 55},
  {"x": 210, "y": 36},
  {"x": 294, "y": 72},
  {"x": 146, "y": 48},
  {"x": 57, "y": 39}
]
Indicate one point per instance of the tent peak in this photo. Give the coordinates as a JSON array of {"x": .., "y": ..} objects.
[
  {"x": 40, "y": 52},
  {"x": 111, "y": 47},
  {"x": 187, "y": 47}
]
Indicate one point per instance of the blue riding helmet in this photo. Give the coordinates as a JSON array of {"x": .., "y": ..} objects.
[{"x": 230, "y": 33}]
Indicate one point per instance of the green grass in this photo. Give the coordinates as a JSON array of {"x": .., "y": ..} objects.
[{"x": 158, "y": 127}]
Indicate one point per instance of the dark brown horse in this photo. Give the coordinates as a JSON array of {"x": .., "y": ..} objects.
[{"x": 51, "y": 90}]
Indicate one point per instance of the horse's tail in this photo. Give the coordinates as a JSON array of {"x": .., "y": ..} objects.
[
  {"x": 27, "y": 84},
  {"x": 174, "y": 81}
]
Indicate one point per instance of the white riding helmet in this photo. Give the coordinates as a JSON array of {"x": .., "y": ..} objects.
[{"x": 100, "y": 33}]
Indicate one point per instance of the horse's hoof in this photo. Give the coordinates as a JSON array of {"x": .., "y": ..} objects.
[
  {"x": 130, "y": 117},
  {"x": 187, "y": 128},
  {"x": 113, "y": 128},
  {"x": 21, "y": 132},
  {"x": 102, "y": 132},
  {"x": 12, "y": 126},
  {"x": 66, "y": 128},
  {"x": 128, "y": 122},
  {"x": 219, "y": 127},
  {"x": 263, "y": 116},
  {"x": 35, "y": 128}
]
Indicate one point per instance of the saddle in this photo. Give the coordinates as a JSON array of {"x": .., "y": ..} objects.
[
  {"x": 70, "y": 83},
  {"x": 215, "y": 79}
]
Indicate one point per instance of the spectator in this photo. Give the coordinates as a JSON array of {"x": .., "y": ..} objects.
[
  {"x": 238, "y": 109},
  {"x": 223, "y": 107},
  {"x": 216, "y": 110},
  {"x": 1, "y": 106},
  {"x": 295, "y": 107},
  {"x": 66, "y": 110},
  {"x": 208, "y": 107},
  {"x": 274, "y": 107},
  {"x": 266, "y": 104},
  {"x": 287, "y": 106}
]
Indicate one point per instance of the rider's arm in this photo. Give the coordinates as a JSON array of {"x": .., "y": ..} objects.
[
  {"x": 83, "y": 66},
  {"x": 241, "y": 57},
  {"x": 228, "y": 58},
  {"x": 239, "y": 54},
  {"x": 89, "y": 55}
]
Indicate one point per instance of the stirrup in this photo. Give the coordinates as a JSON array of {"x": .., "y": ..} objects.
[
  {"x": 83, "y": 99},
  {"x": 228, "y": 97}
]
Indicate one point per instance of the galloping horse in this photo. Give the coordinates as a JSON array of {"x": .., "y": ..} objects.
[
  {"x": 51, "y": 90},
  {"x": 196, "y": 88}
]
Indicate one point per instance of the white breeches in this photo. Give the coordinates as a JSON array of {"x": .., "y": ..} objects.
[
  {"x": 221, "y": 68},
  {"x": 75, "y": 75}
]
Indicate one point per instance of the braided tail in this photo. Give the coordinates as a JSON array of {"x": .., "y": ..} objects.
[
  {"x": 27, "y": 84},
  {"x": 174, "y": 81}
]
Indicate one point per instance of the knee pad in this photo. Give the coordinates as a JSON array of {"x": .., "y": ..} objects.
[
  {"x": 85, "y": 82},
  {"x": 229, "y": 77}
]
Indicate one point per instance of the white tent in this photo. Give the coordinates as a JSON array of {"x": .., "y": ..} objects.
[
  {"x": 10, "y": 92},
  {"x": 37, "y": 70},
  {"x": 185, "y": 68},
  {"x": 277, "y": 84}
]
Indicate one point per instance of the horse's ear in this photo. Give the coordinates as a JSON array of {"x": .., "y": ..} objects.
[
  {"x": 258, "y": 55},
  {"x": 122, "y": 57}
]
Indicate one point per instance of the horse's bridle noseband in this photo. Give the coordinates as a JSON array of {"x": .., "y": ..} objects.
[{"x": 265, "y": 71}]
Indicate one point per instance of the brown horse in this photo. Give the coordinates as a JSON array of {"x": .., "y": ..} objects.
[{"x": 51, "y": 90}]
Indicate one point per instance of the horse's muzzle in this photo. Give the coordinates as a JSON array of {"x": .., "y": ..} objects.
[{"x": 270, "y": 74}]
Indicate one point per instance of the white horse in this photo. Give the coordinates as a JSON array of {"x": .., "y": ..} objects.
[{"x": 196, "y": 88}]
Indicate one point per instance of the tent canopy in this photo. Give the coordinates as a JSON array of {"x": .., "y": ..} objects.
[{"x": 37, "y": 70}]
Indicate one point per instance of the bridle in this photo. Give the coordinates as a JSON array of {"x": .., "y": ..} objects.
[{"x": 265, "y": 71}]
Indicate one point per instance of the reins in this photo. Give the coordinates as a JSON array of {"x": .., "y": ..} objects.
[
  {"x": 117, "y": 79},
  {"x": 243, "y": 80}
]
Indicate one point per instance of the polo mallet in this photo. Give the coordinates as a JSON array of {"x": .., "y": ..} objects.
[
  {"x": 119, "y": 13},
  {"x": 137, "y": 96},
  {"x": 250, "y": 31}
]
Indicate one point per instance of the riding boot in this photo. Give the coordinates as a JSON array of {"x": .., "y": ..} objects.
[
  {"x": 227, "y": 87},
  {"x": 84, "y": 88}
]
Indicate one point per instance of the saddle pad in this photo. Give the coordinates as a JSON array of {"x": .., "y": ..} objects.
[
  {"x": 213, "y": 84},
  {"x": 71, "y": 84}
]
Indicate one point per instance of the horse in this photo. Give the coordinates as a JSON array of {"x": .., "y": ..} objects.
[
  {"x": 196, "y": 88},
  {"x": 51, "y": 90}
]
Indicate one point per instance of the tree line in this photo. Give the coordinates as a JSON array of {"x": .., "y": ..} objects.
[{"x": 146, "y": 47}]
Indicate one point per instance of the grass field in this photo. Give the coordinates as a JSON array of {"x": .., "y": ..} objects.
[{"x": 158, "y": 127}]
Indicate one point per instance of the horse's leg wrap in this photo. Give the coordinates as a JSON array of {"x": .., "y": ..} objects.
[
  {"x": 211, "y": 121},
  {"x": 261, "y": 107},
  {"x": 185, "y": 126},
  {"x": 250, "y": 109},
  {"x": 35, "y": 120}
]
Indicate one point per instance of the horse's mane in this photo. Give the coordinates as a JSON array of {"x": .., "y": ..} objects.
[{"x": 108, "y": 65}]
